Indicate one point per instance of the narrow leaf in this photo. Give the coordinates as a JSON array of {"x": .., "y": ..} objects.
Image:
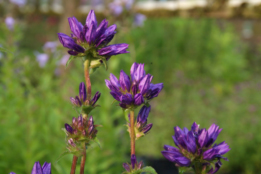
[{"x": 69, "y": 60}]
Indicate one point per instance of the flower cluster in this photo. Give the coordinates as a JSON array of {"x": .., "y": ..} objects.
[
  {"x": 196, "y": 149},
  {"x": 134, "y": 91},
  {"x": 92, "y": 40},
  {"x": 38, "y": 169},
  {"x": 133, "y": 166},
  {"x": 141, "y": 126},
  {"x": 82, "y": 98},
  {"x": 81, "y": 130}
]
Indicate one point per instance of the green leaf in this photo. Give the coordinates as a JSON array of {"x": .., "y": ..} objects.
[
  {"x": 126, "y": 113},
  {"x": 62, "y": 155},
  {"x": 96, "y": 140},
  {"x": 69, "y": 60},
  {"x": 182, "y": 170},
  {"x": 149, "y": 169}
]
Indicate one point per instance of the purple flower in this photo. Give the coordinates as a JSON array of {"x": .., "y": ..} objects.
[
  {"x": 135, "y": 90},
  {"x": 64, "y": 59},
  {"x": 50, "y": 46},
  {"x": 196, "y": 146},
  {"x": 139, "y": 19},
  {"x": 134, "y": 164},
  {"x": 82, "y": 98},
  {"x": 9, "y": 21},
  {"x": 80, "y": 129},
  {"x": 42, "y": 59},
  {"x": 117, "y": 6},
  {"x": 20, "y": 3},
  {"x": 91, "y": 39},
  {"x": 38, "y": 169}
]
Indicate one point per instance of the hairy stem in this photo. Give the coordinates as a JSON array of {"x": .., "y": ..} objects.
[
  {"x": 132, "y": 132},
  {"x": 74, "y": 162},
  {"x": 83, "y": 160},
  {"x": 87, "y": 78}
]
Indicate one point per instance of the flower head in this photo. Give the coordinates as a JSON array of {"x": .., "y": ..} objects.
[
  {"x": 196, "y": 147},
  {"x": 135, "y": 90},
  {"x": 81, "y": 130},
  {"x": 38, "y": 169},
  {"x": 92, "y": 39},
  {"x": 134, "y": 165},
  {"x": 82, "y": 100}
]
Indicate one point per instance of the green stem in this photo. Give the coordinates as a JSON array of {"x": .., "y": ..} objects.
[
  {"x": 87, "y": 78},
  {"x": 74, "y": 162},
  {"x": 132, "y": 132}
]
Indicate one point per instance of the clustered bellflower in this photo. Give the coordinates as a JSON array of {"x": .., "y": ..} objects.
[
  {"x": 135, "y": 90},
  {"x": 195, "y": 148},
  {"x": 92, "y": 40},
  {"x": 38, "y": 169},
  {"x": 81, "y": 130}
]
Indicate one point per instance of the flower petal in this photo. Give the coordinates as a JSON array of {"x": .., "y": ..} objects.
[
  {"x": 68, "y": 42},
  {"x": 37, "y": 169},
  {"x": 124, "y": 81}
]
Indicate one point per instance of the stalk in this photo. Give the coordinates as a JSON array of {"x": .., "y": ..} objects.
[
  {"x": 87, "y": 78},
  {"x": 83, "y": 161},
  {"x": 74, "y": 162},
  {"x": 132, "y": 132}
]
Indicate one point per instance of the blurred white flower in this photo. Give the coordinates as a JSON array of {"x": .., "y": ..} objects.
[
  {"x": 42, "y": 59},
  {"x": 9, "y": 21}
]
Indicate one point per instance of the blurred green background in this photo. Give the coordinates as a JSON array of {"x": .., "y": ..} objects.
[{"x": 209, "y": 67}]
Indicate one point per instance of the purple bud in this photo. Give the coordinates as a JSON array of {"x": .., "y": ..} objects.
[
  {"x": 95, "y": 98},
  {"x": 76, "y": 26},
  {"x": 140, "y": 164},
  {"x": 126, "y": 166},
  {"x": 75, "y": 101},
  {"x": 46, "y": 168},
  {"x": 143, "y": 115},
  {"x": 147, "y": 128},
  {"x": 91, "y": 33},
  {"x": 68, "y": 128},
  {"x": 138, "y": 99},
  {"x": 68, "y": 42},
  {"x": 70, "y": 141},
  {"x": 72, "y": 52},
  {"x": 74, "y": 121},
  {"x": 134, "y": 88},
  {"x": 124, "y": 81},
  {"x": 102, "y": 27},
  {"x": 82, "y": 92},
  {"x": 91, "y": 19},
  {"x": 113, "y": 50},
  {"x": 90, "y": 121},
  {"x": 90, "y": 129},
  {"x": 133, "y": 161},
  {"x": 37, "y": 169},
  {"x": 145, "y": 84}
]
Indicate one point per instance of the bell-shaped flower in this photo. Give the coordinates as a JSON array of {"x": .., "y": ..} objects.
[
  {"x": 38, "y": 169},
  {"x": 135, "y": 90},
  {"x": 92, "y": 40},
  {"x": 196, "y": 147}
]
